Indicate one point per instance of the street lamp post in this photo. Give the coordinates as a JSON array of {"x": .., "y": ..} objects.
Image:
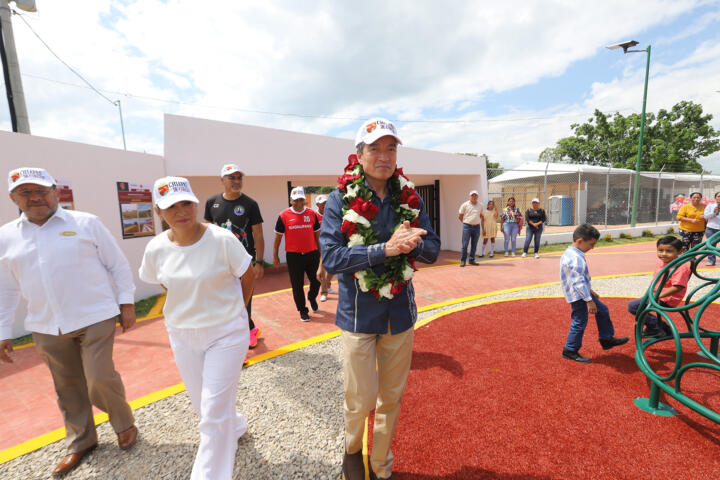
[
  {"x": 11, "y": 67},
  {"x": 636, "y": 189}
]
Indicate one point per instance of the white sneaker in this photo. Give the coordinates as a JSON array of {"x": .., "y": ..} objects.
[
  {"x": 524, "y": 255},
  {"x": 492, "y": 255},
  {"x": 506, "y": 254},
  {"x": 323, "y": 298},
  {"x": 512, "y": 254},
  {"x": 537, "y": 255}
]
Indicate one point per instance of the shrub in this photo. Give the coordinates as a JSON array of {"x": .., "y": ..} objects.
[
  {"x": 626, "y": 235},
  {"x": 608, "y": 238},
  {"x": 647, "y": 233},
  {"x": 670, "y": 230}
]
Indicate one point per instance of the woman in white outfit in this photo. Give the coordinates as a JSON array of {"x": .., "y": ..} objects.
[{"x": 205, "y": 271}]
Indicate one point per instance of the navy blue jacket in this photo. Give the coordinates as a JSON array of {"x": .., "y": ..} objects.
[{"x": 360, "y": 311}]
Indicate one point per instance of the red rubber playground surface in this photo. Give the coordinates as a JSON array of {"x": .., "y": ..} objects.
[
  {"x": 29, "y": 417},
  {"x": 489, "y": 396}
]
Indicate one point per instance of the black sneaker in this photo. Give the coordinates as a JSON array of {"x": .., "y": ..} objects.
[
  {"x": 313, "y": 304},
  {"x": 608, "y": 343},
  {"x": 652, "y": 332},
  {"x": 574, "y": 355},
  {"x": 304, "y": 316}
]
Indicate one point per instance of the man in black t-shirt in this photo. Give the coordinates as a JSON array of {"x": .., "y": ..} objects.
[{"x": 240, "y": 214}]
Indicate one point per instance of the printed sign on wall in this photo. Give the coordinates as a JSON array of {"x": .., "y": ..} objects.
[
  {"x": 65, "y": 194},
  {"x": 136, "y": 209}
]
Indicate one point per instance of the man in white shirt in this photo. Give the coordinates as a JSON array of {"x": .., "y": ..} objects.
[
  {"x": 64, "y": 263},
  {"x": 470, "y": 214}
]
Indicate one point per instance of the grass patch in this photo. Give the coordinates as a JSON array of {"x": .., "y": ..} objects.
[
  {"x": 142, "y": 308},
  {"x": 559, "y": 247}
]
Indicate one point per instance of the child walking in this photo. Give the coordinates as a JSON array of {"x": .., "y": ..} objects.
[
  {"x": 575, "y": 279},
  {"x": 672, "y": 293}
]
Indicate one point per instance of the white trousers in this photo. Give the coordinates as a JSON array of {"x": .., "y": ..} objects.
[{"x": 210, "y": 361}]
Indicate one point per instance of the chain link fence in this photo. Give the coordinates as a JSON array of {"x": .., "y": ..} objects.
[{"x": 597, "y": 195}]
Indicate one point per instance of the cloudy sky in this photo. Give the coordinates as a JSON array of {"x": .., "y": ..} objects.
[{"x": 502, "y": 78}]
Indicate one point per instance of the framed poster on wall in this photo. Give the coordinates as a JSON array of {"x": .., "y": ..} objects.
[
  {"x": 65, "y": 194},
  {"x": 136, "y": 209}
]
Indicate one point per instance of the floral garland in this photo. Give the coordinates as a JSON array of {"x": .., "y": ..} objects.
[{"x": 358, "y": 218}]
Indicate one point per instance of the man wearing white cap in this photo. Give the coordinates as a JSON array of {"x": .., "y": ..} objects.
[
  {"x": 374, "y": 230},
  {"x": 470, "y": 215},
  {"x": 301, "y": 227},
  {"x": 208, "y": 277},
  {"x": 324, "y": 277},
  {"x": 64, "y": 264},
  {"x": 240, "y": 214}
]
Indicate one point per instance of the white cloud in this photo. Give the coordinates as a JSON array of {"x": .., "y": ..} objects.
[{"x": 408, "y": 58}]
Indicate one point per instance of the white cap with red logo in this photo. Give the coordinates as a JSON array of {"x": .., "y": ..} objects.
[
  {"x": 23, "y": 175},
  {"x": 297, "y": 192},
  {"x": 167, "y": 191},
  {"x": 230, "y": 168},
  {"x": 375, "y": 128},
  {"x": 321, "y": 199}
]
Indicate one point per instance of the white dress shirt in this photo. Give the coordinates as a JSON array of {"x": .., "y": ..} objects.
[
  {"x": 713, "y": 219},
  {"x": 65, "y": 269}
]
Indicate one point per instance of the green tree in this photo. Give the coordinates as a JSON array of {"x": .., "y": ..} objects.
[
  {"x": 493, "y": 168},
  {"x": 676, "y": 140}
]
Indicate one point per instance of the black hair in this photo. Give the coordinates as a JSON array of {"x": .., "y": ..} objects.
[
  {"x": 716, "y": 194},
  {"x": 508, "y": 200},
  {"x": 675, "y": 242},
  {"x": 586, "y": 232},
  {"x": 695, "y": 193}
]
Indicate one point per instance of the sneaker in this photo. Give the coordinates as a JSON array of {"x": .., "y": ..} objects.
[
  {"x": 652, "y": 332},
  {"x": 481, "y": 256},
  {"x": 323, "y": 298},
  {"x": 524, "y": 255},
  {"x": 574, "y": 355},
  {"x": 254, "y": 334},
  {"x": 473, "y": 262},
  {"x": 492, "y": 255},
  {"x": 512, "y": 254},
  {"x": 304, "y": 317},
  {"x": 506, "y": 254},
  {"x": 608, "y": 343},
  {"x": 462, "y": 264},
  {"x": 537, "y": 255},
  {"x": 313, "y": 304}
]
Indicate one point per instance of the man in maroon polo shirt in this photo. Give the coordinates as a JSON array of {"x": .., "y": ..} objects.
[{"x": 301, "y": 228}]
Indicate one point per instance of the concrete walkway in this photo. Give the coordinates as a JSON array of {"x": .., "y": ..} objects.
[{"x": 144, "y": 359}]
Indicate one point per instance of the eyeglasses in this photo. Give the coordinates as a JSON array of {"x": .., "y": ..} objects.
[{"x": 30, "y": 192}]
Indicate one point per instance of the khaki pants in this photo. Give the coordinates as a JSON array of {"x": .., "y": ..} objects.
[
  {"x": 375, "y": 368},
  {"x": 84, "y": 375}
]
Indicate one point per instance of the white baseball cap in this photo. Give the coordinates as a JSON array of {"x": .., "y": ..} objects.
[
  {"x": 535, "y": 200},
  {"x": 23, "y": 175},
  {"x": 167, "y": 191},
  {"x": 375, "y": 128},
  {"x": 474, "y": 192},
  {"x": 321, "y": 199},
  {"x": 297, "y": 192},
  {"x": 229, "y": 168}
]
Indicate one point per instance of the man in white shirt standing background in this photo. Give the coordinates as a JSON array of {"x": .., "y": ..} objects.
[
  {"x": 470, "y": 214},
  {"x": 64, "y": 263}
]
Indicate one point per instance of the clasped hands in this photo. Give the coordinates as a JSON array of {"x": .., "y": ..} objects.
[{"x": 403, "y": 240}]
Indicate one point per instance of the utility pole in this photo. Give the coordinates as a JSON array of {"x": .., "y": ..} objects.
[{"x": 11, "y": 68}]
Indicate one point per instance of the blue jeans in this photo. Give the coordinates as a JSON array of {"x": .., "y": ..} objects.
[
  {"x": 579, "y": 318},
  {"x": 531, "y": 233},
  {"x": 651, "y": 320},
  {"x": 471, "y": 235},
  {"x": 709, "y": 232},
  {"x": 510, "y": 232}
]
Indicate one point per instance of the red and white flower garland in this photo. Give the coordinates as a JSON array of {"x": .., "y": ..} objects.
[{"x": 358, "y": 217}]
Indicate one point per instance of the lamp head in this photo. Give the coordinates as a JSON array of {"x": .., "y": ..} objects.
[{"x": 623, "y": 45}]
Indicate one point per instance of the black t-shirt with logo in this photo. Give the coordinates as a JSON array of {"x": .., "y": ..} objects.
[{"x": 237, "y": 215}]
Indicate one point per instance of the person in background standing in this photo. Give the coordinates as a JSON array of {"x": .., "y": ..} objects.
[
  {"x": 511, "y": 218},
  {"x": 535, "y": 218},
  {"x": 712, "y": 217},
  {"x": 489, "y": 228},
  {"x": 692, "y": 221},
  {"x": 470, "y": 214},
  {"x": 324, "y": 277},
  {"x": 301, "y": 227},
  {"x": 240, "y": 214}
]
